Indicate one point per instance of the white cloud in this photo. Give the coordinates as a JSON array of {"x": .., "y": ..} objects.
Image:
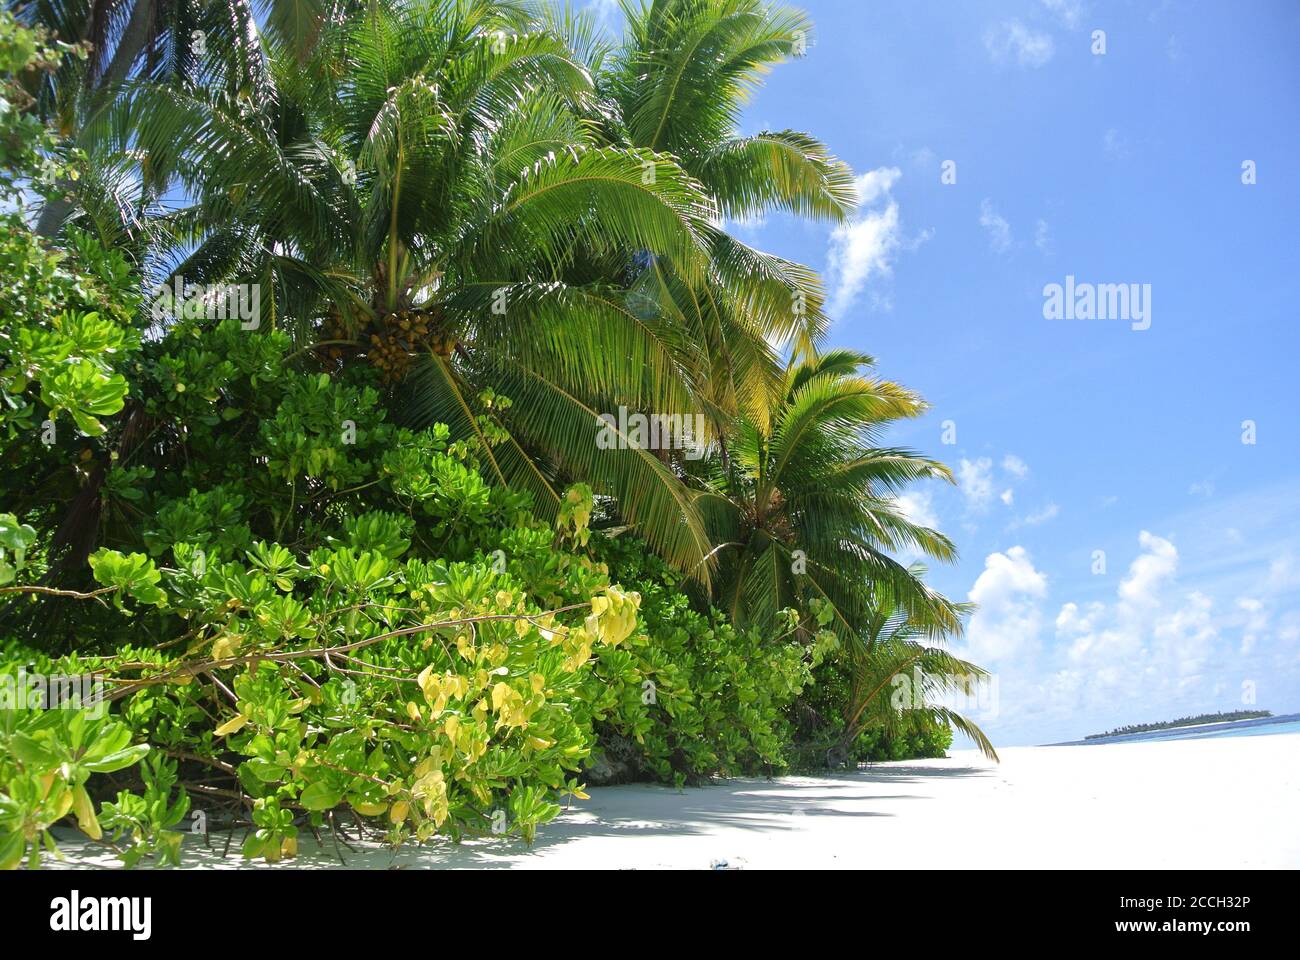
[
  {"x": 1159, "y": 11},
  {"x": 1173, "y": 630},
  {"x": 975, "y": 479},
  {"x": 1008, "y": 620},
  {"x": 1115, "y": 144},
  {"x": 981, "y": 483},
  {"x": 875, "y": 184},
  {"x": 1184, "y": 637},
  {"x": 1256, "y": 623},
  {"x": 1014, "y": 465},
  {"x": 921, "y": 239},
  {"x": 999, "y": 230},
  {"x": 605, "y": 11},
  {"x": 1069, "y": 12},
  {"x": 1042, "y": 516},
  {"x": 1202, "y": 488},
  {"x": 918, "y": 507},
  {"x": 748, "y": 225},
  {"x": 1042, "y": 237},
  {"x": 1103, "y": 650},
  {"x": 1149, "y": 572},
  {"x": 1012, "y": 40},
  {"x": 1037, "y": 517},
  {"x": 862, "y": 249},
  {"x": 1283, "y": 573},
  {"x": 752, "y": 222},
  {"x": 1071, "y": 622},
  {"x": 1150, "y": 636}
]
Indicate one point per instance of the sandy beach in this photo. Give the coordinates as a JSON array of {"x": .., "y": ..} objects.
[{"x": 1216, "y": 804}]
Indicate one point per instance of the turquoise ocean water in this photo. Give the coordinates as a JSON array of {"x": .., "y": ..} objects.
[{"x": 1241, "y": 728}]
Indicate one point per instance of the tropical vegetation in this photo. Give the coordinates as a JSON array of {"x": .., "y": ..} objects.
[
  {"x": 1222, "y": 716},
  {"x": 311, "y": 322}
]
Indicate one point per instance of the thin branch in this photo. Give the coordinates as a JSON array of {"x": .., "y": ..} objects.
[
  {"x": 206, "y": 667},
  {"x": 50, "y": 591}
]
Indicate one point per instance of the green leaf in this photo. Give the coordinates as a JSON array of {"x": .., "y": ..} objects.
[
  {"x": 119, "y": 760},
  {"x": 320, "y": 796}
]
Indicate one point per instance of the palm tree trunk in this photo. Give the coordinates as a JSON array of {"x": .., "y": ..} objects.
[{"x": 129, "y": 46}]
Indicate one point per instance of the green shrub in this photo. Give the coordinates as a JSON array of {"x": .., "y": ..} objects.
[
  {"x": 918, "y": 738},
  {"x": 819, "y": 726},
  {"x": 320, "y": 610},
  {"x": 689, "y": 696},
  {"x": 299, "y": 608}
]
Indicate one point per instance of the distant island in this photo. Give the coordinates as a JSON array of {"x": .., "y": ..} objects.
[{"x": 1184, "y": 722}]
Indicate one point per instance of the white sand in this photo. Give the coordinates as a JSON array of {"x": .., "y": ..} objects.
[{"x": 1214, "y": 803}]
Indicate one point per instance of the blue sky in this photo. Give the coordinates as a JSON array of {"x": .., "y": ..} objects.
[{"x": 1077, "y": 436}]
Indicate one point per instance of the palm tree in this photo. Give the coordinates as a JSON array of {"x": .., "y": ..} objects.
[
  {"x": 806, "y": 516},
  {"x": 489, "y": 179},
  {"x": 678, "y": 83},
  {"x": 805, "y": 510},
  {"x": 897, "y": 669},
  {"x": 179, "y": 42},
  {"x": 422, "y": 191}
]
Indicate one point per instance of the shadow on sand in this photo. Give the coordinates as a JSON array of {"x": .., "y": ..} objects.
[{"x": 635, "y": 810}]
